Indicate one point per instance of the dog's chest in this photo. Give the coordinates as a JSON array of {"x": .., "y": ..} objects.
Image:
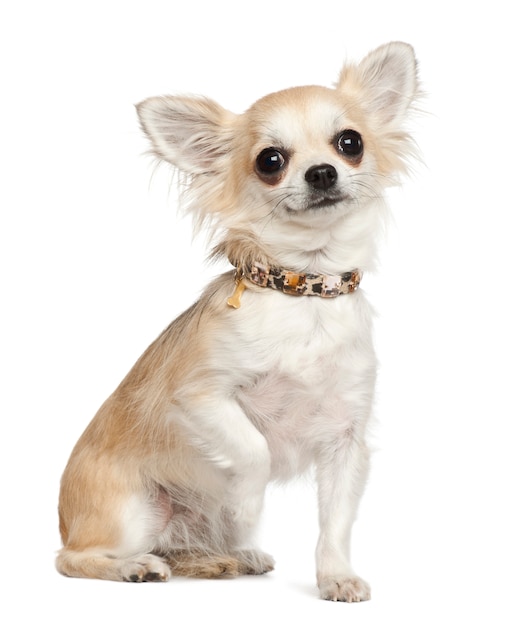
[{"x": 297, "y": 357}]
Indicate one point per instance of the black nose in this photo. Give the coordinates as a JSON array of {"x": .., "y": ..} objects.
[{"x": 321, "y": 177}]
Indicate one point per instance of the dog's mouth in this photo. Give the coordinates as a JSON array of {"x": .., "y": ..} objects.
[
  {"x": 318, "y": 203},
  {"x": 326, "y": 202}
]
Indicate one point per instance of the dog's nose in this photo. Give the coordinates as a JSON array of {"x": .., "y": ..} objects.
[{"x": 321, "y": 177}]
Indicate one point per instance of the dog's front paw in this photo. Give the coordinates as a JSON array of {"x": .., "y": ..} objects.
[{"x": 344, "y": 589}]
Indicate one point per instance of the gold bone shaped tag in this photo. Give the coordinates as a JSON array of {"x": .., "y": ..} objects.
[{"x": 235, "y": 299}]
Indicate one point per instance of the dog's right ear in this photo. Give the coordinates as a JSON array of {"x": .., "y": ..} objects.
[{"x": 192, "y": 133}]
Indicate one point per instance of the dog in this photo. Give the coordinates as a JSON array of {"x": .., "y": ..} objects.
[{"x": 272, "y": 371}]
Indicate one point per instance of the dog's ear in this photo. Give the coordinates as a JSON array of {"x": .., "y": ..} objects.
[
  {"x": 384, "y": 83},
  {"x": 192, "y": 133}
]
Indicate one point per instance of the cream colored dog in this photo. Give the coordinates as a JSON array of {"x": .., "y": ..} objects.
[{"x": 272, "y": 370}]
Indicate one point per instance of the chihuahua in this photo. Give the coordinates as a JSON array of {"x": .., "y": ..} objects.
[{"x": 272, "y": 371}]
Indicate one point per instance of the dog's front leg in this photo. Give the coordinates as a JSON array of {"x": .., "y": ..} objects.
[
  {"x": 221, "y": 431},
  {"x": 341, "y": 473}
]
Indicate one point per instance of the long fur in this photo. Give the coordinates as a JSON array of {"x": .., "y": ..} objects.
[{"x": 170, "y": 474}]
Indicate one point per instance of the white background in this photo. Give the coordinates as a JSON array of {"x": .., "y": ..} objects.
[{"x": 94, "y": 264}]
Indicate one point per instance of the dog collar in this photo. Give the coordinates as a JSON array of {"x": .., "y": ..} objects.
[{"x": 294, "y": 284}]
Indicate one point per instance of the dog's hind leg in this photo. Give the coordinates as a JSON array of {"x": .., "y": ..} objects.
[
  {"x": 201, "y": 539},
  {"x": 202, "y": 565},
  {"x": 93, "y": 563},
  {"x": 109, "y": 523}
]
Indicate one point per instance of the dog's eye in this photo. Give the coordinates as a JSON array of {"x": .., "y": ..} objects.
[
  {"x": 270, "y": 161},
  {"x": 349, "y": 143}
]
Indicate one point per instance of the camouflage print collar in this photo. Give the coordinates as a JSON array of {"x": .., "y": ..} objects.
[{"x": 295, "y": 284}]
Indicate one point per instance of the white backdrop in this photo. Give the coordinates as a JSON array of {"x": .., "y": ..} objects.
[{"x": 94, "y": 264}]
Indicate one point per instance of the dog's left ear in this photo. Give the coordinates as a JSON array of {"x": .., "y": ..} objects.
[{"x": 384, "y": 83}]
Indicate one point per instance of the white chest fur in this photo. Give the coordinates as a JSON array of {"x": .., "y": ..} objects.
[{"x": 304, "y": 367}]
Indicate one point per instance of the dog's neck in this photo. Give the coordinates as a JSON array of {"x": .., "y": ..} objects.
[
  {"x": 349, "y": 242},
  {"x": 243, "y": 249},
  {"x": 322, "y": 262}
]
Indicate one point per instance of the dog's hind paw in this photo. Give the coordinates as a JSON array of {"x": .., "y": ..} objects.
[
  {"x": 344, "y": 589},
  {"x": 254, "y": 562},
  {"x": 198, "y": 565},
  {"x": 146, "y": 568}
]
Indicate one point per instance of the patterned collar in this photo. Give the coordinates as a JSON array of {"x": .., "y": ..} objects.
[{"x": 295, "y": 284}]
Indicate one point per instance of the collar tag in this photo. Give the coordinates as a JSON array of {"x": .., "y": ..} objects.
[{"x": 235, "y": 300}]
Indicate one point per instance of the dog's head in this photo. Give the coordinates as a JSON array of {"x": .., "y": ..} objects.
[{"x": 304, "y": 157}]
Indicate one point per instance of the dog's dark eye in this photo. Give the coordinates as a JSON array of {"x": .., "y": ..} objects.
[
  {"x": 270, "y": 161},
  {"x": 349, "y": 143}
]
